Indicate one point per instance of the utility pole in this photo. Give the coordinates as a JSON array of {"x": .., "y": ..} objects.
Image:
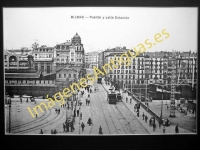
[
  {"x": 146, "y": 91},
  {"x": 173, "y": 84},
  {"x": 161, "y": 104},
  {"x": 9, "y": 114}
]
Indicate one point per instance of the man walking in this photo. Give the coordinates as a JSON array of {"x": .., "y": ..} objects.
[
  {"x": 78, "y": 113},
  {"x": 67, "y": 126},
  {"x": 89, "y": 121},
  {"x": 126, "y": 99},
  {"x": 82, "y": 126},
  {"x": 100, "y": 130},
  {"x": 146, "y": 118},
  {"x": 41, "y": 132},
  {"x": 86, "y": 101},
  {"x": 81, "y": 116},
  {"x": 154, "y": 127},
  {"x": 143, "y": 115},
  {"x": 130, "y": 100},
  {"x": 176, "y": 129}
]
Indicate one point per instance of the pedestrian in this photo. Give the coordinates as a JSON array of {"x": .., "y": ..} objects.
[
  {"x": 41, "y": 132},
  {"x": 154, "y": 127},
  {"x": 67, "y": 127},
  {"x": 64, "y": 127},
  {"x": 52, "y": 132},
  {"x": 90, "y": 90},
  {"x": 36, "y": 115},
  {"x": 154, "y": 120},
  {"x": 138, "y": 114},
  {"x": 72, "y": 128},
  {"x": 150, "y": 122},
  {"x": 176, "y": 129},
  {"x": 27, "y": 100},
  {"x": 163, "y": 129},
  {"x": 55, "y": 131},
  {"x": 100, "y": 130},
  {"x": 126, "y": 99},
  {"x": 130, "y": 100},
  {"x": 75, "y": 113},
  {"x": 89, "y": 121},
  {"x": 78, "y": 113},
  {"x": 88, "y": 102},
  {"x": 82, "y": 126},
  {"x": 146, "y": 118},
  {"x": 35, "y": 101},
  {"x": 143, "y": 115},
  {"x": 88, "y": 95},
  {"x": 21, "y": 99},
  {"x": 81, "y": 116}
]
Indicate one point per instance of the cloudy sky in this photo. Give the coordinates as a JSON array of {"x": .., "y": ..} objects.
[{"x": 49, "y": 26}]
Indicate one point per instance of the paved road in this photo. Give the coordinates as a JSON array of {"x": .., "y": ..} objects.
[{"x": 116, "y": 119}]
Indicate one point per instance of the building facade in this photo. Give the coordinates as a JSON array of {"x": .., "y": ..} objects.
[
  {"x": 91, "y": 59},
  {"x": 152, "y": 69},
  {"x": 44, "y": 60}
]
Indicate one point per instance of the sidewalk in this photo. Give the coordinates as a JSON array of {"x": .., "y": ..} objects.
[{"x": 168, "y": 130}]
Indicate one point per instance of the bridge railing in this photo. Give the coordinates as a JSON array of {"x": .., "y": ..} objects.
[{"x": 157, "y": 117}]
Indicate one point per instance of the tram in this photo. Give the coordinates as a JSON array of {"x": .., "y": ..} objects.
[
  {"x": 99, "y": 80},
  {"x": 112, "y": 97}
]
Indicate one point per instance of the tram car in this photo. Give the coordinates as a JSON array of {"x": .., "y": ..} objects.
[
  {"x": 119, "y": 97},
  {"x": 112, "y": 97},
  {"x": 99, "y": 80}
]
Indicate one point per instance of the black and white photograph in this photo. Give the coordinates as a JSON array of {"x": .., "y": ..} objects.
[{"x": 100, "y": 70}]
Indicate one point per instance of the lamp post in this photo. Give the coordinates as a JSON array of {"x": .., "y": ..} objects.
[
  {"x": 9, "y": 102},
  {"x": 161, "y": 104}
]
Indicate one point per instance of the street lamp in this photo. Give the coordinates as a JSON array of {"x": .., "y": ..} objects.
[
  {"x": 9, "y": 102},
  {"x": 161, "y": 104}
]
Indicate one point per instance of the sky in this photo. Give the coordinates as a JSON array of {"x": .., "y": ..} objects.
[{"x": 53, "y": 25}]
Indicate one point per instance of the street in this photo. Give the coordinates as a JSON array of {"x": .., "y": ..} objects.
[{"x": 113, "y": 119}]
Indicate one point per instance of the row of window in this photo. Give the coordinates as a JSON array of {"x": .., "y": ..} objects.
[
  {"x": 134, "y": 71},
  {"x": 42, "y": 68},
  {"x": 65, "y": 75},
  {"x": 136, "y": 76},
  {"x": 43, "y": 50},
  {"x": 31, "y": 81}
]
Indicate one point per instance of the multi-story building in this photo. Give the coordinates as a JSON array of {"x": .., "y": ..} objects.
[
  {"x": 42, "y": 70},
  {"x": 153, "y": 68},
  {"x": 43, "y": 59},
  {"x": 16, "y": 59},
  {"x": 102, "y": 55},
  {"x": 91, "y": 59},
  {"x": 70, "y": 54}
]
